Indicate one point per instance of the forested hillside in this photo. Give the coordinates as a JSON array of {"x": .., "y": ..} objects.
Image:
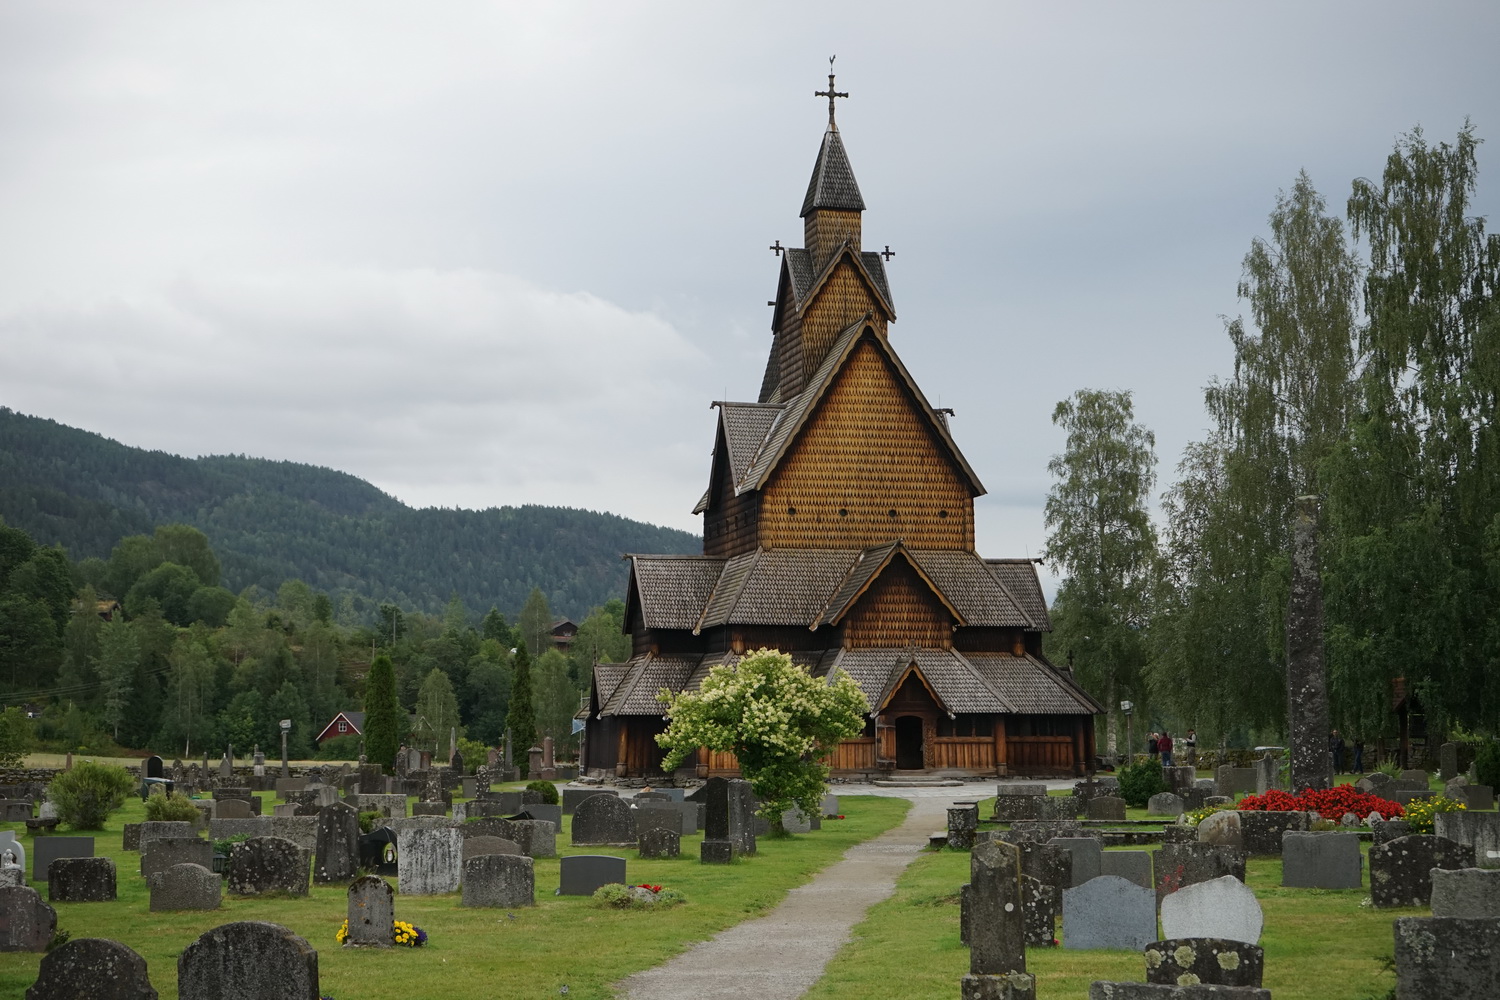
[{"x": 269, "y": 522}]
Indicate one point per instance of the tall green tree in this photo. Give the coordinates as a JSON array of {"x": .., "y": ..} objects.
[
  {"x": 437, "y": 713},
  {"x": 601, "y": 638},
  {"x": 534, "y": 626},
  {"x": 494, "y": 627},
  {"x": 522, "y": 717},
  {"x": 1102, "y": 542},
  {"x": 187, "y": 546},
  {"x": 556, "y": 698},
  {"x": 382, "y": 713},
  {"x": 192, "y": 691},
  {"x": 119, "y": 657}
]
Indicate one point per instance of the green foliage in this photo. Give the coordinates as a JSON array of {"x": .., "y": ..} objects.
[
  {"x": 534, "y": 626},
  {"x": 224, "y": 846},
  {"x": 1487, "y": 763},
  {"x": 522, "y": 717},
  {"x": 546, "y": 789},
  {"x": 344, "y": 747},
  {"x": 475, "y": 753},
  {"x": 1420, "y": 812},
  {"x": 15, "y": 736},
  {"x": 87, "y": 794},
  {"x": 382, "y": 713},
  {"x": 211, "y": 606},
  {"x": 778, "y": 720},
  {"x": 556, "y": 699},
  {"x": 1138, "y": 782},
  {"x": 617, "y": 896},
  {"x": 368, "y": 819},
  {"x": 437, "y": 714},
  {"x": 161, "y": 807}
]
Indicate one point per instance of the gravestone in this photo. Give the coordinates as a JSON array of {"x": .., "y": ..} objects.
[
  {"x": 794, "y": 820},
  {"x": 1475, "y": 796},
  {"x": 1406, "y": 796},
  {"x": 1414, "y": 777},
  {"x": 1262, "y": 831},
  {"x": 1164, "y": 804},
  {"x": 184, "y": 887},
  {"x": 583, "y": 874},
  {"x": 1470, "y": 893},
  {"x": 92, "y": 968},
  {"x": 1220, "y": 908},
  {"x": 10, "y": 846},
  {"x": 1018, "y": 801},
  {"x": 152, "y": 767},
  {"x": 232, "y": 809},
  {"x": 1448, "y": 761},
  {"x": 429, "y": 809},
  {"x": 1479, "y": 831},
  {"x": 372, "y": 779},
  {"x": 1401, "y": 869},
  {"x": 1108, "y": 912},
  {"x": 12, "y": 875},
  {"x": 248, "y": 960},
  {"x": 542, "y": 811},
  {"x": 1267, "y": 774},
  {"x": 371, "y": 912},
  {"x": 1040, "y": 907},
  {"x": 150, "y": 831},
  {"x": 830, "y": 806},
  {"x": 336, "y": 844},
  {"x": 1107, "y": 807},
  {"x": 15, "y": 810},
  {"x": 1447, "y": 958},
  {"x": 1041, "y": 831},
  {"x": 717, "y": 847},
  {"x": 1180, "y": 779},
  {"x": 1384, "y": 831},
  {"x": 1321, "y": 860},
  {"x": 660, "y": 843},
  {"x": 963, "y": 822},
  {"x": 743, "y": 821},
  {"x": 45, "y": 850},
  {"x": 473, "y": 847},
  {"x": 1134, "y": 866},
  {"x": 1050, "y": 865},
  {"x": 499, "y": 880},
  {"x": 572, "y": 796},
  {"x": 1179, "y": 833},
  {"x": 1058, "y": 807},
  {"x": 603, "y": 820},
  {"x": 81, "y": 880},
  {"x": 537, "y": 837},
  {"x": 1180, "y": 865},
  {"x": 997, "y": 922},
  {"x": 429, "y": 862},
  {"x": 1086, "y": 854},
  {"x": 130, "y": 836},
  {"x": 1233, "y": 781},
  {"x": 1306, "y": 674},
  {"x": 164, "y": 852},
  {"x": 1210, "y": 961},
  {"x": 267, "y": 864},
  {"x": 27, "y": 923}
]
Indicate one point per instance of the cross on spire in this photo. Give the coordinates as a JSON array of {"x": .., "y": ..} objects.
[{"x": 830, "y": 93}]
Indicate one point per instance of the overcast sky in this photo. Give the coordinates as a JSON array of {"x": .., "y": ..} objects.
[{"x": 486, "y": 254}]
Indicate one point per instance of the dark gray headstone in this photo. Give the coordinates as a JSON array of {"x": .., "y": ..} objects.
[
  {"x": 997, "y": 928},
  {"x": 1232, "y": 781},
  {"x": 1132, "y": 865},
  {"x": 184, "y": 887},
  {"x": 572, "y": 796},
  {"x": 248, "y": 960},
  {"x": 1401, "y": 869},
  {"x": 1108, "y": 912},
  {"x": 1211, "y": 961},
  {"x": 1040, "y": 907},
  {"x": 429, "y": 862},
  {"x": 1448, "y": 761},
  {"x": 603, "y": 820},
  {"x": 1262, "y": 831},
  {"x": 1041, "y": 831},
  {"x": 1050, "y": 865},
  {"x": 152, "y": 767},
  {"x": 1306, "y": 677},
  {"x": 1447, "y": 958},
  {"x": 15, "y": 810},
  {"x": 499, "y": 880},
  {"x": 1466, "y": 892},
  {"x": 1181, "y": 865},
  {"x": 336, "y": 844},
  {"x": 92, "y": 968},
  {"x": 45, "y": 850},
  {"x": 1384, "y": 831},
  {"x": 1107, "y": 807},
  {"x": 371, "y": 913},
  {"x": 1478, "y": 830},
  {"x": 583, "y": 874},
  {"x": 130, "y": 836},
  {"x": 660, "y": 843},
  {"x": 151, "y": 830},
  {"x": 81, "y": 880},
  {"x": 1321, "y": 860},
  {"x": 963, "y": 822},
  {"x": 743, "y": 821},
  {"x": 1058, "y": 807},
  {"x": 267, "y": 864},
  {"x": 27, "y": 923},
  {"x": 1086, "y": 853}
]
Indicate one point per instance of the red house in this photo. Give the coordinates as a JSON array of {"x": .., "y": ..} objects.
[{"x": 343, "y": 724}]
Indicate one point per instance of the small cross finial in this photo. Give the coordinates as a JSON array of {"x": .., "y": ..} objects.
[
  {"x": 887, "y": 253},
  {"x": 776, "y": 247},
  {"x": 830, "y": 93}
]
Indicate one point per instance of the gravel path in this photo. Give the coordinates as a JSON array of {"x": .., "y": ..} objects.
[{"x": 780, "y": 956}]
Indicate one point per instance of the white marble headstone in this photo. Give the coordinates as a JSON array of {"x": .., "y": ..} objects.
[{"x": 1220, "y": 908}]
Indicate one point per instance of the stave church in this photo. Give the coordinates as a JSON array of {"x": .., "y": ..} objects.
[{"x": 838, "y": 526}]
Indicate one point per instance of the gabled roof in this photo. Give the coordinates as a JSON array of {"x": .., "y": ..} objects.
[
  {"x": 671, "y": 590},
  {"x": 868, "y": 566},
  {"x": 745, "y": 426},
  {"x": 832, "y": 184},
  {"x": 1032, "y": 686},
  {"x": 356, "y": 721},
  {"x": 1020, "y": 580},
  {"x": 978, "y": 593},
  {"x": 776, "y": 587},
  {"x": 799, "y": 278},
  {"x": 607, "y": 677},
  {"x": 644, "y": 679}
]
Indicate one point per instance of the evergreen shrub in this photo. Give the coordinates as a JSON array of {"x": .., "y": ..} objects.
[
  {"x": 161, "y": 807},
  {"x": 87, "y": 794},
  {"x": 1487, "y": 763},
  {"x": 1138, "y": 782},
  {"x": 546, "y": 789}
]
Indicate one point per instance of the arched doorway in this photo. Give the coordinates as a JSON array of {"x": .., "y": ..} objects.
[{"x": 909, "y": 743}]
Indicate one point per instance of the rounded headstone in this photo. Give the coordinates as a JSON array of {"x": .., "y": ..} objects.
[
  {"x": 29, "y": 924},
  {"x": 92, "y": 968},
  {"x": 184, "y": 886},
  {"x": 372, "y": 909},
  {"x": 1221, "y": 829},
  {"x": 248, "y": 960}
]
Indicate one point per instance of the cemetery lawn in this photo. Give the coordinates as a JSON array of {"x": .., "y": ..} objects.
[
  {"x": 478, "y": 954},
  {"x": 1320, "y": 944}
]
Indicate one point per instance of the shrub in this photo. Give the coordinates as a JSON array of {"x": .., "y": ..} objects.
[
  {"x": 367, "y": 820},
  {"x": 162, "y": 807},
  {"x": 1139, "y": 782},
  {"x": 86, "y": 795},
  {"x": 1487, "y": 763},
  {"x": 546, "y": 789},
  {"x": 1421, "y": 811},
  {"x": 225, "y": 845},
  {"x": 475, "y": 753},
  {"x": 344, "y": 747},
  {"x": 1331, "y": 803},
  {"x": 636, "y": 897}
]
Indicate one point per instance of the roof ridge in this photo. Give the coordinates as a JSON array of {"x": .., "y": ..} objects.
[{"x": 847, "y": 247}]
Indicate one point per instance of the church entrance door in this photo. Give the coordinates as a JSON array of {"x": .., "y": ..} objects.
[{"x": 909, "y": 743}]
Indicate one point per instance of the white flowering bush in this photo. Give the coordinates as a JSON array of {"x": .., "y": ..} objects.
[{"x": 776, "y": 718}]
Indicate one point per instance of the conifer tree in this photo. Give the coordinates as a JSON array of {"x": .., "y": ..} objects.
[
  {"x": 382, "y": 713},
  {"x": 522, "y": 718}
]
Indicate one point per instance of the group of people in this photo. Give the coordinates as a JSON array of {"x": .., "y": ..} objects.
[{"x": 1161, "y": 745}]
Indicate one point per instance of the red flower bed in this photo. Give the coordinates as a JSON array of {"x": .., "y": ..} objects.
[{"x": 1330, "y": 803}]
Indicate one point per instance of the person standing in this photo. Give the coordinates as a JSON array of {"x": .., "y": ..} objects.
[
  {"x": 1336, "y": 747},
  {"x": 1190, "y": 742},
  {"x": 1359, "y": 756},
  {"x": 1153, "y": 746},
  {"x": 1165, "y": 745}
]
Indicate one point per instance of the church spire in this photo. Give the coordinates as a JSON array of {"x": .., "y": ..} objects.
[{"x": 831, "y": 210}]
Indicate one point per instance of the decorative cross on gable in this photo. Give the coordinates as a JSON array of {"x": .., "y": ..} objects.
[
  {"x": 776, "y": 247},
  {"x": 887, "y": 253}
]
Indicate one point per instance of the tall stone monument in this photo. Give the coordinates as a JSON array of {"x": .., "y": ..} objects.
[
  {"x": 1306, "y": 676},
  {"x": 997, "y": 929}
]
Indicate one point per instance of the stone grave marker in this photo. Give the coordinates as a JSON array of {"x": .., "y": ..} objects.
[
  {"x": 1179, "y": 833},
  {"x": 1262, "y": 831},
  {"x": 1222, "y": 829},
  {"x": 81, "y": 880},
  {"x": 429, "y": 862},
  {"x": 184, "y": 887},
  {"x": 1219, "y": 908},
  {"x": 1321, "y": 860},
  {"x": 1018, "y": 801},
  {"x": 12, "y": 875},
  {"x": 1107, "y": 807},
  {"x": 1479, "y": 831},
  {"x": 537, "y": 837},
  {"x": 152, "y": 767},
  {"x": 336, "y": 844},
  {"x": 997, "y": 921},
  {"x": 794, "y": 820},
  {"x": 1134, "y": 866},
  {"x": 1050, "y": 865},
  {"x": 1417, "y": 778},
  {"x": 1480, "y": 797},
  {"x": 1401, "y": 869},
  {"x": 1180, "y": 778},
  {"x": 660, "y": 843},
  {"x": 829, "y": 806},
  {"x": 267, "y": 864},
  {"x": 45, "y": 850},
  {"x": 1164, "y": 804},
  {"x": 1209, "y": 961},
  {"x": 717, "y": 848},
  {"x": 27, "y": 923},
  {"x": 429, "y": 809},
  {"x": 1470, "y": 893},
  {"x": 1058, "y": 807},
  {"x": 547, "y": 813},
  {"x": 1447, "y": 958},
  {"x": 1086, "y": 852},
  {"x": 15, "y": 810},
  {"x": 582, "y": 874},
  {"x": 1385, "y": 830},
  {"x": 499, "y": 880},
  {"x": 963, "y": 823},
  {"x": 572, "y": 796},
  {"x": 130, "y": 836},
  {"x": 1041, "y": 831},
  {"x": 1180, "y": 865},
  {"x": 1267, "y": 774},
  {"x": 603, "y": 820},
  {"x": 248, "y": 960},
  {"x": 92, "y": 969},
  {"x": 1448, "y": 761},
  {"x": 1108, "y": 912},
  {"x": 9, "y": 845},
  {"x": 473, "y": 847},
  {"x": 371, "y": 912},
  {"x": 232, "y": 809},
  {"x": 743, "y": 820},
  {"x": 1232, "y": 781},
  {"x": 1040, "y": 907}
]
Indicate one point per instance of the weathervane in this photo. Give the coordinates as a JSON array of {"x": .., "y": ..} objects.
[{"x": 830, "y": 93}]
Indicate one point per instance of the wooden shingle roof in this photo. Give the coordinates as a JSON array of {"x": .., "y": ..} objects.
[
  {"x": 977, "y": 593},
  {"x": 645, "y": 677},
  {"x": 832, "y": 184},
  {"x": 1020, "y": 579},
  {"x": 672, "y": 590},
  {"x": 1033, "y": 686}
]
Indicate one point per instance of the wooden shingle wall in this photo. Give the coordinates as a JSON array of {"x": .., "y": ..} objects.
[
  {"x": 826, "y": 229},
  {"x": 898, "y": 610},
  {"x": 866, "y": 452},
  {"x": 842, "y": 300}
]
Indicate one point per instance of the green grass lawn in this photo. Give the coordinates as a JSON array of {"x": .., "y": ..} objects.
[{"x": 475, "y": 954}]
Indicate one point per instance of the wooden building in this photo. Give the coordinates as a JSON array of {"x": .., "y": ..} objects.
[{"x": 838, "y": 526}]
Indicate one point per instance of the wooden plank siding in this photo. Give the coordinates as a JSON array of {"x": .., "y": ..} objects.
[
  {"x": 1032, "y": 754},
  {"x": 964, "y": 752}
]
